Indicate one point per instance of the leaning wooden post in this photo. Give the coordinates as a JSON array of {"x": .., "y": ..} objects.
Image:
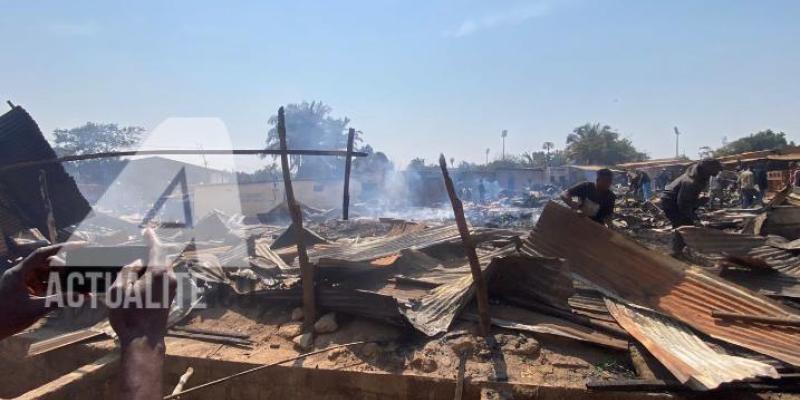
[
  {"x": 306, "y": 269},
  {"x": 481, "y": 292},
  {"x": 349, "y": 158},
  {"x": 50, "y": 221}
]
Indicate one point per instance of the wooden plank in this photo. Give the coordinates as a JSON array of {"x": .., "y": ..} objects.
[
  {"x": 306, "y": 269},
  {"x": 481, "y": 293},
  {"x": 100, "y": 369},
  {"x": 351, "y": 134}
]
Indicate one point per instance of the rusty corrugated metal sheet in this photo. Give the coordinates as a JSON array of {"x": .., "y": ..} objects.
[
  {"x": 433, "y": 313},
  {"x": 715, "y": 244},
  {"x": 642, "y": 276},
  {"x": 682, "y": 352},
  {"x": 384, "y": 247}
]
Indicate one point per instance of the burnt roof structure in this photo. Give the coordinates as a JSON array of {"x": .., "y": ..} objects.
[{"x": 22, "y": 140}]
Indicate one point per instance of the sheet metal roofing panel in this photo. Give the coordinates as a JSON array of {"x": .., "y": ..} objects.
[
  {"x": 433, "y": 313},
  {"x": 21, "y": 140},
  {"x": 648, "y": 278},
  {"x": 658, "y": 163},
  {"x": 717, "y": 244},
  {"x": 384, "y": 247},
  {"x": 682, "y": 352}
]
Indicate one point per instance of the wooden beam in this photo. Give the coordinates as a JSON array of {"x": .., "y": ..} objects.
[
  {"x": 113, "y": 154},
  {"x": 351, "y": 134},
  {"x": 306, "y": 269},
  {"x": 99, "y": 370},
  {"x": 481, "y": 293}
]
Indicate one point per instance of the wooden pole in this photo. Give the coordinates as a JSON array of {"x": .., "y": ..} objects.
[
  {"x": 50, "y": 222},
  {"x": 306, "y": 269},
  {"x": 348, "y": 161},
  {"x": 482, "y": 294}
]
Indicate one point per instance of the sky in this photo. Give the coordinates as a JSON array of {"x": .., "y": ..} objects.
[{"x": 417, "y": 77}]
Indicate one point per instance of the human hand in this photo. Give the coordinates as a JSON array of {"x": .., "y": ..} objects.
[
  {"x": 140, "y": 297},
  {"x": 23, "y": 297}
]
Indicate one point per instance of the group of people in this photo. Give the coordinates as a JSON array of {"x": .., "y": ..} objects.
[{"x": 679, "y": 200}]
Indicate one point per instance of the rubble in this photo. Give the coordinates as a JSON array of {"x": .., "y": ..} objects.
[{"x": 571, "y": 303}]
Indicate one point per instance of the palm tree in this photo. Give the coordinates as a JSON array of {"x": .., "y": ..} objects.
[
  {"x": 547, "y": 146},
  {"x": 595, "y": 144},
  {"x": 452, "y": 162},
  {"x": 487, "y": 155}
]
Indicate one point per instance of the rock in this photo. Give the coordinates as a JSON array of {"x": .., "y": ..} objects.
[
  {"x": 370, "y": 349},
  {"x": 424, "y": 364},
  {"x": 493, "y": 394},
  {"x": 297, "y": 314},
  {"x": 519, "y": 345},
  {"x": 290, "y": 330},
  {"x": 304, "y": 341},
  {"x": 334, "y": 354},
  {"x": 463, "y": 345},
  {"x": 326, "y": 324}
]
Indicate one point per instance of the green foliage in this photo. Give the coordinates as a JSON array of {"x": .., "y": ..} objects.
[
  {"x": 95, "y": 138},
  {"x": 595, "y": 144},
  {"x": 539, "y": 159},
  {"x": 763, "y": 140},
  {"x": 310, "y": 126}
]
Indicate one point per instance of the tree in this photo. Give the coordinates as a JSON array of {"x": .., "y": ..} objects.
[
  {"x": 416, "y": 164},
  {"x": 547, "y": 146},
  {"x": 595, "y": 144},
  {"x": 95, "y": 138},
  {"x": 310, "y": 126},
  {"x": 763, "y": 140}
]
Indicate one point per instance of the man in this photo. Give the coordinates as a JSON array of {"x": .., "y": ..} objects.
[
  {"x": 481, "y": 192},
  {"x": 747, "y": 187},
  {"x": 634, "y": 183},
  {"x": 644, "y": 183},
  {"x": 682, "y": 197},
  {"x": 715, "y": 191},
  {"x": 595, "y": 200},
  {"x": 662, "y": 179}
]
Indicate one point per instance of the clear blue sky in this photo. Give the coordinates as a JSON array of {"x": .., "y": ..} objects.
[{"x": 418, "y": 77}]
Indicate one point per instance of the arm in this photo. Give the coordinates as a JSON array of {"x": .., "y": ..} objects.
[
  {"x": 141, "y": 330},
  {"x": 575, "y": 191},
  {"x": 567, "y": 198}
]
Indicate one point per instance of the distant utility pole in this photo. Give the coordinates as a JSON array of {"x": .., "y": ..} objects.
[
  {"x": 503, "y": 135},
  {"x": 487, "y": 155},
  {"x": 677, "y": 139}
]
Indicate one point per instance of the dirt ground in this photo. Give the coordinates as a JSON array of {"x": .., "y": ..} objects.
[{"x": 515, "y": 357}]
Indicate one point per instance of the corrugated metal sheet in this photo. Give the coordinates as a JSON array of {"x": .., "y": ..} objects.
[
  {"x": 383, "y": 247},
  {"x": 715, "y": 244},
  {"x": 21, "y": 140},
  {"x": 520, "y": 319},
  {"x": 433, "y": 313},
  {"x": 655, "y": 280},
  {"x": 659, "y": 163},
  {"x": 682, "y": 352}
]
